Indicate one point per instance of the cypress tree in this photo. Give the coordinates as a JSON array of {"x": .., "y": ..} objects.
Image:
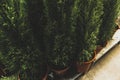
[
  {"x": 58, "y": 32},
  {"x": 87, "y": 26},
  {"x": 20, "y": 51},
  {"x": 12, "y": 17},
  {"x": 108, "y": 20}
]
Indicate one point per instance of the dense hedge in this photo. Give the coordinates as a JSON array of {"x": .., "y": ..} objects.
[{"x": 36, "y": 33}]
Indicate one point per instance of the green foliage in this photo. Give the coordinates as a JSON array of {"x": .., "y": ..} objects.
[
  {"x": 19, "y": 49},
  {"x": 11, "y": 15},
  {"x": 85, "y": 56},
  {"x": 58, "y": 37},
  {"x": 37, "y": 20},
  {"x": 87, "y": 26},
  {"x": 108, "y": 20},
  {"x": 34, "y": 33},
  {"x": 14, "y": 77}
]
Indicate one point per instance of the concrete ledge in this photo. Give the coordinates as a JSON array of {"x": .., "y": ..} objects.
[{"x": 115, "y": 40}]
